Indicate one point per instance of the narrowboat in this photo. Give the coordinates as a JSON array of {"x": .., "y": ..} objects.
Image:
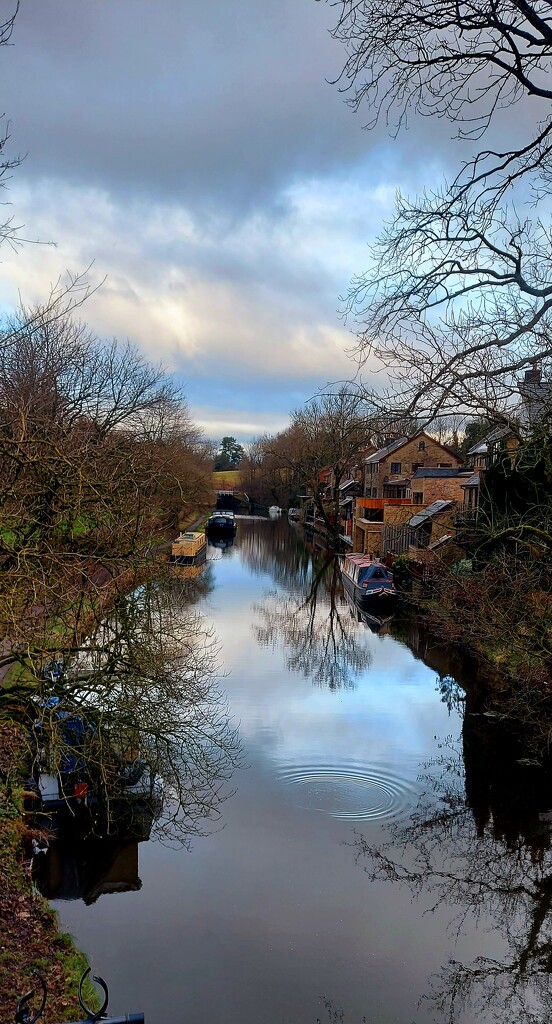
[
  {"x": 274, "y": 511},
  {"x": 293, "y": 515},
  {"x": 189, "y": 548},
  {"x": 367, "y": 580},
  {"x": 221, "y": 522}
]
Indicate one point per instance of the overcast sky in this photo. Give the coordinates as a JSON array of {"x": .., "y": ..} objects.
[{"x": 195, "y": 153}]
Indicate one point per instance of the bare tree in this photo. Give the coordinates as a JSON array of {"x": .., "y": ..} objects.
[
  {"x": 328, "y": 432},
  {"x": 458, "y": 296},
  {"x": 97, "y": 457}
]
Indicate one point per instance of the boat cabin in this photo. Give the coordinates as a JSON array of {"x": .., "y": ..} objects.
[
  {"x": 367, "y": 574},
  {"x": 189, "y": 548},
  {"x": 221, "y": 521}
]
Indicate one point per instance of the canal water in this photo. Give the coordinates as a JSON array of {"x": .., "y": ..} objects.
[{"x": 372, "y": 860}]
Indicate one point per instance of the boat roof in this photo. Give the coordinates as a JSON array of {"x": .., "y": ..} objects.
[{"x": 360, "y": 559}]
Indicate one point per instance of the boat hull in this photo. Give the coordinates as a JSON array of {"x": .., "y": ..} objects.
[
  {"x": 220, "y": 528},
  {"x": 379, "y": 596}
]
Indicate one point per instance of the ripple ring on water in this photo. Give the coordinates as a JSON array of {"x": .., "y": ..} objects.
[{"x": 353, "y": 793}]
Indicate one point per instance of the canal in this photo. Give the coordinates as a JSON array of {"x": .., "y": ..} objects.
[{"x": 375, "y": 856}]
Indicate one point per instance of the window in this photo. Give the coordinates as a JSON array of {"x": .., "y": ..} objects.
[
  {"x": 378, "y": 575},
  {"x": 444, "y": 465},
  {"x": 418, "y": 498},
  {"x": 395, "y": 467},
  {"x": 421, "y": 446}
]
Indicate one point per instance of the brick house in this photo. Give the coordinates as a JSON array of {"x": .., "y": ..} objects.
[{"x": 389, "y": 471}]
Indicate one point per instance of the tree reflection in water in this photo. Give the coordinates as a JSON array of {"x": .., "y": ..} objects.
[
  {"x": 479, "y": 842},
  {"x": 314, "y": 626},
  {"x": 277, "y": 549},
  {"x": 143, "y": 690}
]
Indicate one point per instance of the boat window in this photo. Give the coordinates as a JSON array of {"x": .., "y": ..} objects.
[{"x": 378, "y": 574}]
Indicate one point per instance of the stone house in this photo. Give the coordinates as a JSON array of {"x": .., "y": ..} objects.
[
  {"x": 427, "y": 529},
  {"x": 372, "y": 517},
  {"x": 430, "y": 484},
  {"x": 389, "y": 471}
]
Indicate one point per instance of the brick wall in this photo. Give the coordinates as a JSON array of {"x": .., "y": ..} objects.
[
  {"x": 440, "y": 488},
  {"x": 395, "y": 515},
  {"x": 367, "y": 539}
]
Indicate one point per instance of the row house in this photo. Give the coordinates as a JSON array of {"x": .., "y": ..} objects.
[
  {"x": 435, "y": 484},
  {"x": 389, "y": 471},
  {"x": 479, "y": 458},
  {"x": 407, "y": 473},
  {"x": 535, "y": 404}
]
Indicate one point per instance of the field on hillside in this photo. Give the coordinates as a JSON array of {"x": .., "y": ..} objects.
[{"x": 231, "y": 477}]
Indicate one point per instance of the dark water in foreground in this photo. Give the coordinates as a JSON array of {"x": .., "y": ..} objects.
[{"x": 348, "y": 823}]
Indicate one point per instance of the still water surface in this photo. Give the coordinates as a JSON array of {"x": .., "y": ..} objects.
[{"x": 345, "y": 825}]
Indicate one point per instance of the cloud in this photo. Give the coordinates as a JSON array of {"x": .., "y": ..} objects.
[
  {"x": 196, "y": 156},
  {"x": 201, "y": 101},
  {"x": 245, "y": 302}
]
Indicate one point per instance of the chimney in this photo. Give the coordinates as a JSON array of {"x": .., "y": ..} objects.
[{"x": 534, "y": 375}]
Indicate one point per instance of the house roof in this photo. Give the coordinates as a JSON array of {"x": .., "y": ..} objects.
[
  {"x": 437, "y": 472},
  {"x": 382, "y": 453},
  {"x": 473, "y": 481},
  {"x": 429, "y": 512},
  {"x": 403, "y": 481},
  {"x": 445, "y": 447},
  {"x": 394, "y": 446},
  {"x": 347, "y": 483},
  {"x": 496, "y": 434}
]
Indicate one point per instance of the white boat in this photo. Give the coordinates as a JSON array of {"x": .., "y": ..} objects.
[{"x": 274, "y": 511}]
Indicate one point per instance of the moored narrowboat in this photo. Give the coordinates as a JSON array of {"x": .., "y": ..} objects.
[
  {"x": 221, "y": 522},
  {"x": 189, "y": 548},
  {"x": 366, "y": 579}
]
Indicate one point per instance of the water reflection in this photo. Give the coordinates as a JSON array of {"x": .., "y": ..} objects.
[
  {"x": 376, "y": 622},
  {"x": 132, "y": 734},
  {"x": 274, "y": 548},
  {"x": 87, "y": 869},
  {"x": 480, "y": 842},
  {"x": 313, "y": 626},
  {"x": 270, "y": 912},
  {"x": 221, "y": 543}
]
